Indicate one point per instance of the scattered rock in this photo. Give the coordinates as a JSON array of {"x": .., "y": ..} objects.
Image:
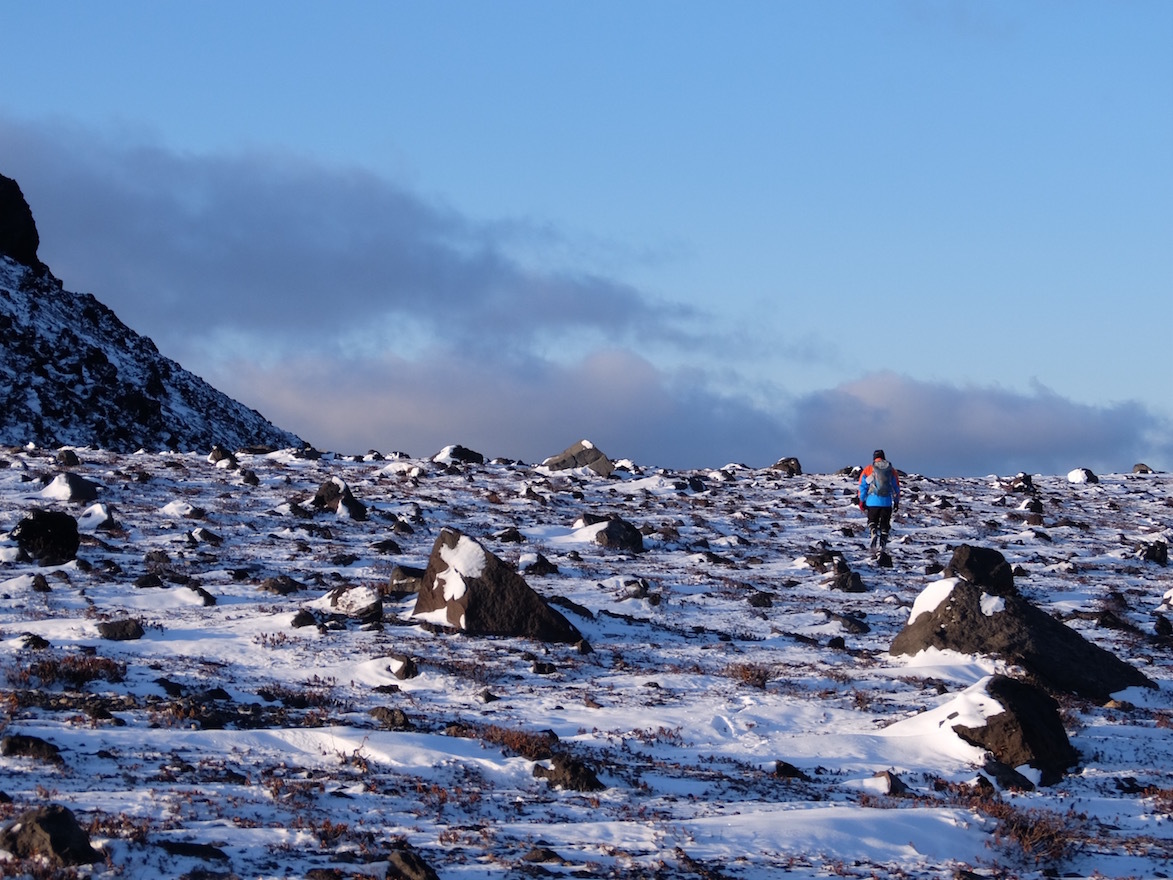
[
  {"x": 788, "y": 466},
  {"x": 18, "y": 745},
  {"x": 1082, "y": 475},
  {"x": 569, "y": 773},
  {"x": 405, "y": 579},
  {"x": 581, "y": 454},
  {"x": 457, "y": 454},
  {"x": 1029, "y": 731},
  {"x": 359, "y": 603},
  {"x": 405, "y": 863},
  {"x": 51, "y": 832},
  {"x": 126, "y": 630},
  {"x": 48, "y": 536},
  {"x": 334, "y": 494},
  {"x": 619, "y": 534}
]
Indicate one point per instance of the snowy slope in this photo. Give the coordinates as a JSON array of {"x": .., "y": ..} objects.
[
  {"x": 227, "y": 729},
  {"x": 72, "y": 373}
]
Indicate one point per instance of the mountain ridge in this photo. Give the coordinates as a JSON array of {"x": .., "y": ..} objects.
[{"x": 72, "y": 373}]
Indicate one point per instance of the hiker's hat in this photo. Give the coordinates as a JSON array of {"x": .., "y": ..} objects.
[{"x": 878, "y": 454}]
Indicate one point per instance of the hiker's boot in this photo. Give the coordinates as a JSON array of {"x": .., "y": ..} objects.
[
  {"x": 883, "y": 541},
  {"x": 875, "y": 538}
]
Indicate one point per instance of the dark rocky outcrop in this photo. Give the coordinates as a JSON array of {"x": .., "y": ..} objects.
[
  {"x": 983, "y": 567},
  {"x": 48, "y": 536},
  {"x": 50, "y": 832},
  {"x": 1029, "y": 731},
  {"x": 479, "y": 594},
  {"x": 18, "y": 231},
  {"x": 581, "y": 454},
  {"x": 972, "y": 621}
]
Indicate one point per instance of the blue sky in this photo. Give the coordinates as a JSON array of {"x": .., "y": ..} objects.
[{"x": 692, "y": 232}]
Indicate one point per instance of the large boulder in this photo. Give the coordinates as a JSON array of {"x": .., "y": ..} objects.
[
  {"x": 953, "y": 614},
  {"x": 48, "y": 536},
  {"x": 467, "y": 587},
  {"x": 1029, "y": 731},
  {"x": 581, "y": 454},
  {"x": 18, "y": 231}
]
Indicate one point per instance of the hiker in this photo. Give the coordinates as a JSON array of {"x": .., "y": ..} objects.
[{"x": 879, "y": 497}]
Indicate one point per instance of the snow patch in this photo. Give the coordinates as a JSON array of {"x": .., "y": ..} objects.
[
  {"x": 991, "y": 605},
  {"x": 931, "y": 597}
]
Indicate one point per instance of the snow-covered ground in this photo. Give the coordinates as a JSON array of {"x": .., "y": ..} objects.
[{"x": 228, "y": 742}]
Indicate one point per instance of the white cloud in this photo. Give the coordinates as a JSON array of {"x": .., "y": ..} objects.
[{"x": 940, "y": 429}]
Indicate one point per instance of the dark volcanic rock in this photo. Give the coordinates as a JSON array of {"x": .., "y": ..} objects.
[
  {"x": 20, "y": 745},
  {"x": 569, "y": 773},
  {"x": 1029, "y": 731},
  {"x": 982, "y": 567},
  {"x": 18, "y": 231},
  {"x": 481, "y": 595},
  {"x": 51, "y": 832},
  {"x": 619, "y": 534},
  {"x": 48, "y": 536},
  {"x": 971, "y": 621},
  {"x": 126, "y": 630}
]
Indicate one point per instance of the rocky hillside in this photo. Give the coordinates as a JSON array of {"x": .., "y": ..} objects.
[{"x": 71, "y": 373}]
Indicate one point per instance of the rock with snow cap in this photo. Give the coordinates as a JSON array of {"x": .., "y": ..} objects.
[
  {"x": 334, "y": 494},
  {"x": 953, "y": 614},
  {"x": 71, "y": 487},
  {"x": 581, "y": 454},
  {"x": 1082, "y": 475},
  {"x": 457, "y": 454},
  {"x": 1029, "y": 731},
  {"x": 468, "y": 588}
]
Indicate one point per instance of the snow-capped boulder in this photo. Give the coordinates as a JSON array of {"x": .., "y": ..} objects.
[
  {"x": 335, "y": 495},
  {"x": 581, "y": 454},
  {"x": 1029, "y": 731},
  {"x": 788, "y": 466},
  {"x": 1082, "y": 475},
  {"x": 467, "y": 587},
  {"x": 953, "y": 614},
  {"x": 71, "y": 487},
  {"x": 456, "y": 455},
  {"x": 363, "y": 604}
]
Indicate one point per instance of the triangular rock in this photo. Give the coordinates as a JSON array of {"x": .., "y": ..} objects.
[
  {"x": 954, "y": 614},
  {"x": 467, "y": 587}
]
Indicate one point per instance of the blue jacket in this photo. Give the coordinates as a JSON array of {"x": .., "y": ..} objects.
[{"x": 866, "y": 497}]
